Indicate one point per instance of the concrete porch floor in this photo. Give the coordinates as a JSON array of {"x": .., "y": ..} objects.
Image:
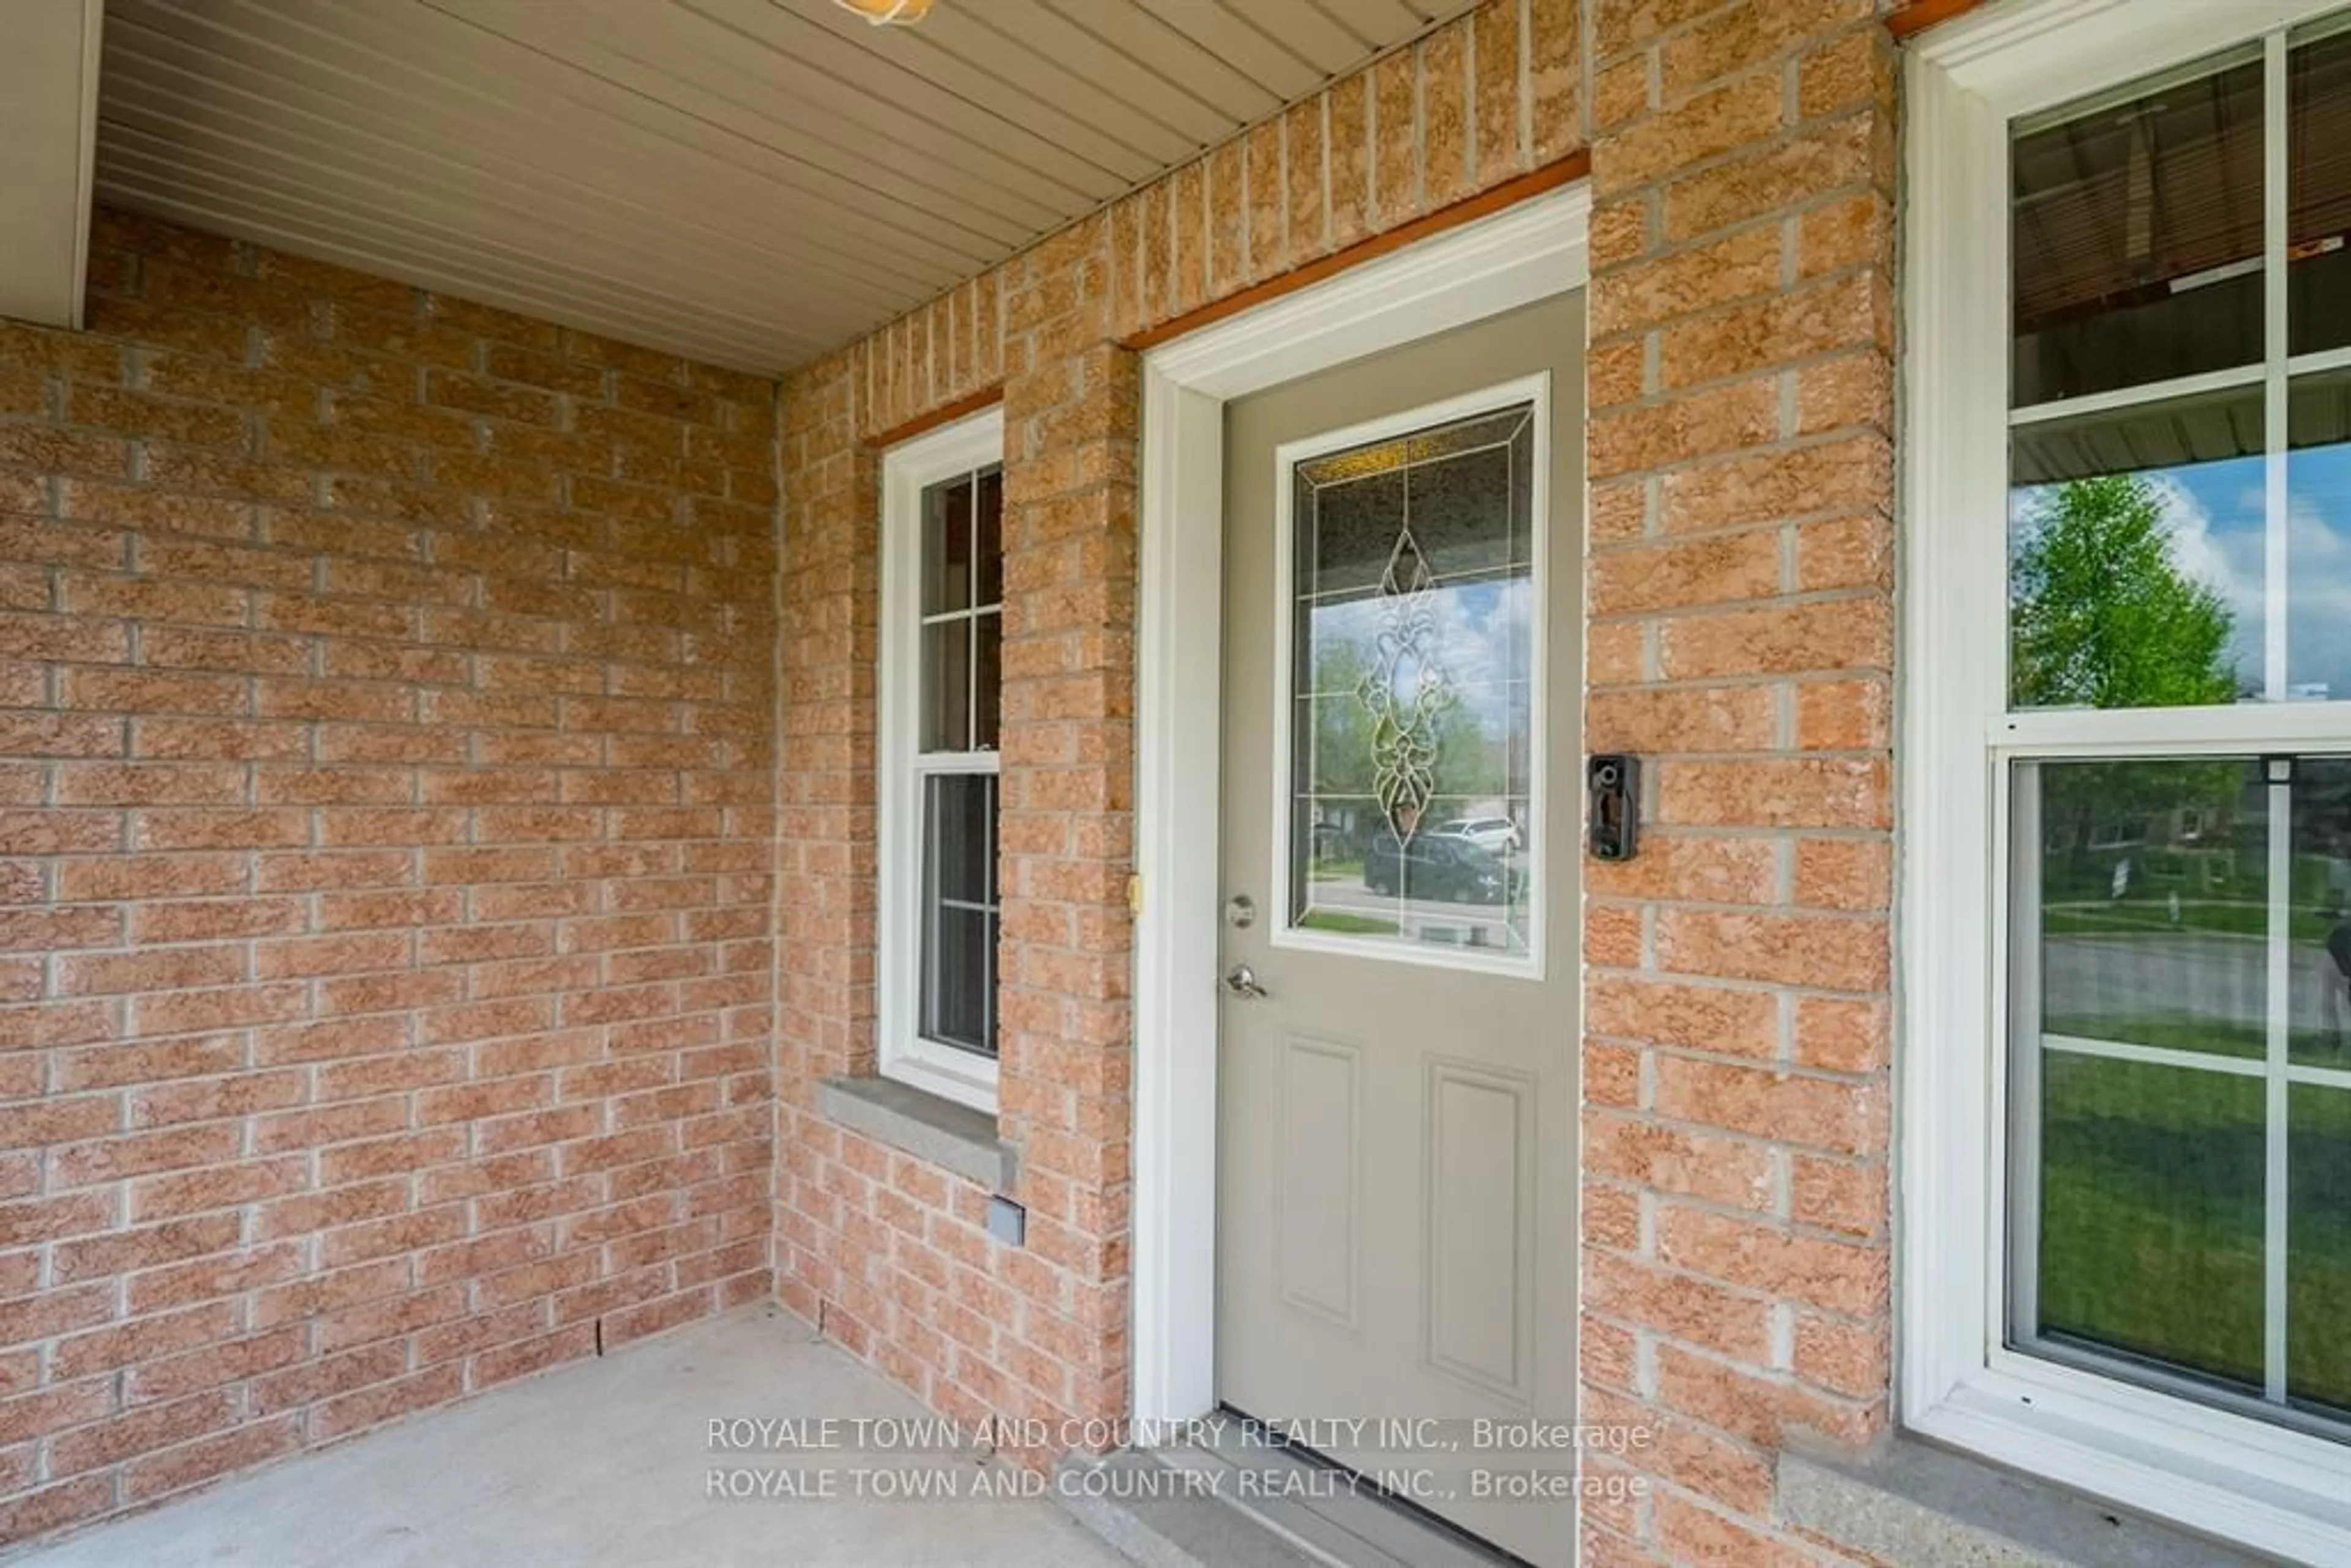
[{"x": 606, "y": 1461}]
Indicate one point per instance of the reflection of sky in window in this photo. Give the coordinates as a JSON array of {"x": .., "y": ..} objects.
[
  {"x": 1482, "y": 627},
  {"x": 2218, "y": 535}
]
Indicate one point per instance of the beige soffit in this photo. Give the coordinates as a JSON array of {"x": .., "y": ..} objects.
[{"x": 746, "y": 181}]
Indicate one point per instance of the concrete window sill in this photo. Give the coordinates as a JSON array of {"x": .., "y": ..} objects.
[
  {"x": 930, "y": 1127},
  {"x": 1903, "y": 1500}
]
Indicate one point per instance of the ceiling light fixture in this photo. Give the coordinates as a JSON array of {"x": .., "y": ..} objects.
[{"x": 888, "y": 13}]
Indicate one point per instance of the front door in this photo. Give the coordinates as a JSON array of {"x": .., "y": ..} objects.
[{"x": 1396, "y": 1158}]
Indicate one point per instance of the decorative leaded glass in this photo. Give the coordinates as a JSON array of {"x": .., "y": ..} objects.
[{"x": 1412, "y": 635}]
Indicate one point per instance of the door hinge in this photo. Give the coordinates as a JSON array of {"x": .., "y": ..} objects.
[{"x": 1134, "y": 895}]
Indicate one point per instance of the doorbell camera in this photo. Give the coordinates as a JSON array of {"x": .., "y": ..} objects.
[{"x": 1613, "y": 779}]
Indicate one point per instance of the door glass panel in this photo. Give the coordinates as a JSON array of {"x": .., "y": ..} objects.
[
  {"x": 2136, "y": 541},
  {"x": 1411, "y": 741},
  {"x": 2136, "y": 233}
]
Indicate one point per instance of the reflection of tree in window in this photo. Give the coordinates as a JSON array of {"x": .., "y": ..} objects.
[{"x": 2105, "y": 617}]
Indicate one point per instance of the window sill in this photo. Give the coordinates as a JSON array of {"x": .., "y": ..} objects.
[
  {"x": 1909, "y": 1500},
  {"x": 2260, "y": 1486},
  {"x": 931, "y": 1127}
]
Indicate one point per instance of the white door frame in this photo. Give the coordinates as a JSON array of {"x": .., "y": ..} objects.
[{"x": 1527, "y": 252}]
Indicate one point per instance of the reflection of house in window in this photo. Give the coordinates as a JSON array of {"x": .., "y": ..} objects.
[
  {"x": 2139, "y": 228},
  {"x": 2189, "y": 826},
  {"x": 2118, "y": 835}
]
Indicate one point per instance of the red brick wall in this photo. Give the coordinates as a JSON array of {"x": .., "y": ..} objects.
[{"x": 386, "y": 860}]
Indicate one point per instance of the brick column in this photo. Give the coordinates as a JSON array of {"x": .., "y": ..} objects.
[
  {"x": 828, "y": 893},
  {"x": 1740, "y": 573},
  {"x": 1067, "y": 833},
  {"x": 830, "y": 617}
]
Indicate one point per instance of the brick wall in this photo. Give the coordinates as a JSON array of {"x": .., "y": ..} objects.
[
  {"x": 1739, "y": 577},
  {"x": 889, "y": 1253},
  {"x": 386, "y": 864},
  {"x": 1739, "y": 589}
]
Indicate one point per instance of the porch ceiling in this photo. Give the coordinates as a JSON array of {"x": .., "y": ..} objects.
[{"x": 744, "y": 182}]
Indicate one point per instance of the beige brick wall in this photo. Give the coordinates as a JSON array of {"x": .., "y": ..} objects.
[
  {"x": 1739, "y": 592},
  {"x": 386, "y": 860},
  {"x": 402, "y": 833},
  {"x": 889, "y": 1253},
  {"x": 1740, "y": 579}
]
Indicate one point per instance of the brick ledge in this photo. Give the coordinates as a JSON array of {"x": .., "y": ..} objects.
[
  {"x": 1909, "y": 1500},
  {"x": 930, "y": 1127}
]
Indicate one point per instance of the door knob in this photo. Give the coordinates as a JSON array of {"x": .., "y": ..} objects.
[{"x": 1242, "y": 980}]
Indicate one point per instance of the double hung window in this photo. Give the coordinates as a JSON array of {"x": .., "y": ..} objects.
[
  {"x": 941, "y": 641},
  {"x": 2128, "y": 947}
]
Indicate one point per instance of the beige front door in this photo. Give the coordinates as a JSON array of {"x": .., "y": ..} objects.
[{"x": 1396, "y": 1157}]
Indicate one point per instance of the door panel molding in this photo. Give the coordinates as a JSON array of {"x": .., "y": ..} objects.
[
  {"x": 1527, "y": 253},
  {"x": 1307, "y": 1164},
  {"x": 1452, "y": 1285}
]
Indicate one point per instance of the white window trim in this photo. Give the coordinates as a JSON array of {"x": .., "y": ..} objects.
[
  {"x": 2264, "y": 1485},
  {"x": 907, "y": 470},
  {"x": 1535, "y": 390}
]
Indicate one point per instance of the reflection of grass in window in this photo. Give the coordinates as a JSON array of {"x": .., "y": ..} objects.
[
  {"x": 2318, "y": 1245},
  {"x": 1338, "y": 870},
  {"x": 2187, "y": 1032},
  {"x": 2152, "y": 1218},
  {"x": 1351, "y": 925}
]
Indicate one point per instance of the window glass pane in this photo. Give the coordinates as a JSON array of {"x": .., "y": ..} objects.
[
  {"x": 1412, "y": 725},
  {"x": 961, "y": 818},
  {"x": 959, "y": 912},
  {"x": 2183, "y": 1174},
  {"x": 2154, "y": 904},
  {"x": 947, "y": 686},
  {"x": 988, "y": 548},
  {"x": 946, "y": 547},
  {"x": 2151, "y": 1213},
  {"x": 988, "y": 681},
  {"x": 2320, "y": 916},
  {"x": 2318, "y": 537},
  {"x": 955, "y": 1004},
  {"x": 2136, "y": 233},
  {"x": 2137, "y": 555},
  {"x": 2318, "y": 1249},
  {"x": 2318, "y": 193}
]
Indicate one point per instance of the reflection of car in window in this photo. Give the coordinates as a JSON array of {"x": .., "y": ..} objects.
[
  {"x": 1496, "y": 835},
  {"x": 1437, "y": 865}
]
